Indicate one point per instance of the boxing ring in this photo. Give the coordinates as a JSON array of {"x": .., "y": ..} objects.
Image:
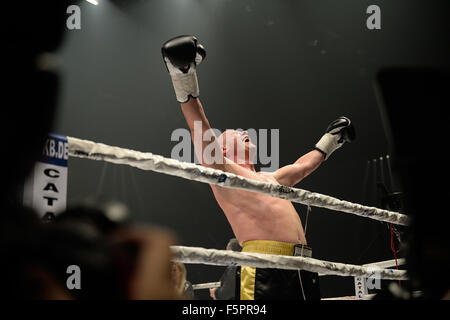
[{"x": 194, "y": 255}]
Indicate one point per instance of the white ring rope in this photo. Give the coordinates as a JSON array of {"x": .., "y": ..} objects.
[
  {"x": 226, "y": 258},
  {"x": 387, "y": 263},
  {"x": 207, "y": 285},
  {"x": 382, "y": 264},
  {"x": 148, "y": 161}
]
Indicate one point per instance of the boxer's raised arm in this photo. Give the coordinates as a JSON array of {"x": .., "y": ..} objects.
[
  {"x": 292, "y": 174},
  {"x": 182, "y": 55},
  {"x": 197, "y": 121},
  {"x": 338, "y": 132}
]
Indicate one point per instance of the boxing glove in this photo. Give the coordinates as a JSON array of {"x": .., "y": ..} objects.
[
  {"x": 338, "y": 132},
  {"x": 182, "y": 55}
]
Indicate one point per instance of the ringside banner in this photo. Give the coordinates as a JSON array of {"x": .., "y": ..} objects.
[{"x": 46, "y": 188}]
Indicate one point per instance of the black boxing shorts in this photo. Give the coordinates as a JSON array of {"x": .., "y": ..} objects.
[{"x": 277, "y": 284}]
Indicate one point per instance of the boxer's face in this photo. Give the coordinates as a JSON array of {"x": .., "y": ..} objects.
[{"x": 237, "y": 146}]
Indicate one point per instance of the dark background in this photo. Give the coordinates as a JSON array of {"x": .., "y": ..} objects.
[{"x": 285, "y": 64}]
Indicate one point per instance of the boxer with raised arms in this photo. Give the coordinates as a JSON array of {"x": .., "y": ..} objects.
[{"x": 261, "y": 223}]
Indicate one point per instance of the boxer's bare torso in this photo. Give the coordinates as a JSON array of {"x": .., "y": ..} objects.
[{"x": 256, "y": 216}]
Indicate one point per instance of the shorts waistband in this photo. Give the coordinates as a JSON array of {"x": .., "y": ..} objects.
[{"x": 277, "y": 247}]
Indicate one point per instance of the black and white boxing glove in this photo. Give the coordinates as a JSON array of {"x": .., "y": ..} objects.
[
  {"x": 338, "y": 132},
  {"x": 182, "y": 55}
]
